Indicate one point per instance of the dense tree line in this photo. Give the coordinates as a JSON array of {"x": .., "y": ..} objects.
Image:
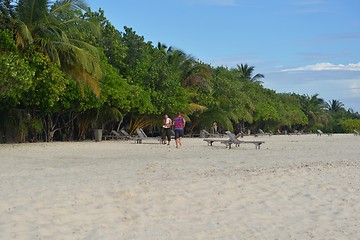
[{"x": 66, "y": 70}]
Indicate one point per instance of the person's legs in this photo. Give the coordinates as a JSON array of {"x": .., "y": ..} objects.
[
  {"x": 163, "y": 135},
  {"x": 177, "y": 138},
  {"x": 168, "y": 135},
  {"x": 181, "y": 134}
]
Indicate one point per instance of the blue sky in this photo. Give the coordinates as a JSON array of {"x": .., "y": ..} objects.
[{"x": 301, "y": 46}]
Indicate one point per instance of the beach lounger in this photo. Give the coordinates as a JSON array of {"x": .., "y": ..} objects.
[
  {"x": 115, "y": 135},
  {"x": 356, "y": 133},
  {"x": 211, "y": 141},
  {"x": 126, "y": 136},
  {"x": 319, "y": 133},
  {"x": 142, "y": 136},
  {"x": 237, "y": 142},
  {"x": 232, "y": 140}
]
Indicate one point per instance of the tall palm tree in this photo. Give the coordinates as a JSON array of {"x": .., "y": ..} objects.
[
  {"x": 334, "y": 105},
  {"x": 47, "y": 25},
  {"x": 191, "y": 72},
  {"x": 246, "y": 73},
  {"x": 162, "y": 47},
  {"x": 198, "y": 74},
  {"x": 314, "y": 107}
]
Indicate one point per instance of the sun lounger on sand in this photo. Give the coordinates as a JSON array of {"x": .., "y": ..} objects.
[
  {"x": 319, "y": 133},
  {"x": 123, "y": 135},
  {"x": 142, "y": 136},
  {"x": 114, "y": 135},
  {"x": 232, "y": 140},
  {"x": 356, "y": 133}
]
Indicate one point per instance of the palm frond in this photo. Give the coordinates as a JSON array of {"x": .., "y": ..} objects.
[
  {"x": 23, "y": 35},
  {"x": 194, "y": 107},
  {"x": 66, "y": 5},
  {"x": 32, "y": 11}
]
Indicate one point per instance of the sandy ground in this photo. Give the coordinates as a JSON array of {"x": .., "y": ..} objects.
[{"x": 294, "y": 187}]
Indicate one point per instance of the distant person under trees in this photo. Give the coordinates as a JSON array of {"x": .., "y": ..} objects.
[{"x": 214, "y": 128}]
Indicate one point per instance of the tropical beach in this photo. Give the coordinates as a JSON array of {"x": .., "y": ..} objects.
[
  {"x": 87, "y": 88},
  {"x": 294, "y": 187}
]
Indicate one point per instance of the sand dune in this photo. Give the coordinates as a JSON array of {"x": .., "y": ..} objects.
[{"x": 294, "y": 187}]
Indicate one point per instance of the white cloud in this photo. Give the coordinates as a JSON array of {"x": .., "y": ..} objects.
[{"x": 326, "y": 67}]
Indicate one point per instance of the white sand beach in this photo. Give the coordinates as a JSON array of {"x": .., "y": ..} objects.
[{"x": 294, "y": 187}]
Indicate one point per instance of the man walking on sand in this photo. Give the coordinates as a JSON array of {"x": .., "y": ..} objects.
[{"x": 179, "y": 124}]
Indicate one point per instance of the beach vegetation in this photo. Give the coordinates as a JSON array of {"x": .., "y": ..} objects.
[
  {"x": 349, "y": 125},
  {"x": 66, "y": 70}
]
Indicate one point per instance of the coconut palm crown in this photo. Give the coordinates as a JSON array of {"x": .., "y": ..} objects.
[
  {"x": 246, "y": 73},
  {"x": 46, "y": 25}
]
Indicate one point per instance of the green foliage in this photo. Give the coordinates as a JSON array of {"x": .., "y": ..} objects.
[
  {"x": 16, "y": 76},
  {"x": 350, "y": 125},
  {"x": 49, "y": 49},
  {"x": 49, "y": 85},
  {"x": 7, "y": 43},
  {"x": 245, "y": 73},
  {"x": 49, "y": 31}
]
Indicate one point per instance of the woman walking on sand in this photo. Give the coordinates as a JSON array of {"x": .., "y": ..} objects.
[
  {"x": 166, "y": 133},
  {"x": 179, "y": 124}
]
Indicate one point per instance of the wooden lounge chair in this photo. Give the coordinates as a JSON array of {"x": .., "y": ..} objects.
[
  {"x": 210, "y": 141},
  {"x": 113, "y": 135},
  {"x": 356, "y": 133},
  {"x": 237, "y": 142},
  {"x": 142, "y": 136},
  {"x": 232, "y": 140},
  {"x": 126, "y": 135},
  {"x": 319, "y": 133},
  {"x": 123, "y": 135}
]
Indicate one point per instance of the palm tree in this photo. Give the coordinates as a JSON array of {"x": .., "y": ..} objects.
[
  {"x": 48, "y": 30},
  {"x": 246, "y": 72},
  {"x": 198, "y": 74},
  {"x": 334, "y": 105},
  {"x": 191, "y": 72},
  {"x": 314, "y": 107},
  {"x": 162, "y": 47}
]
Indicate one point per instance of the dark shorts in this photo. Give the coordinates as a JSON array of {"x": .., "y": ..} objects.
[{"x": 179, "y": 133}]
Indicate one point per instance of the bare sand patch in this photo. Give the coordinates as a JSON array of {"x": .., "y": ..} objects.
[{"x": 294, "y": 187}]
